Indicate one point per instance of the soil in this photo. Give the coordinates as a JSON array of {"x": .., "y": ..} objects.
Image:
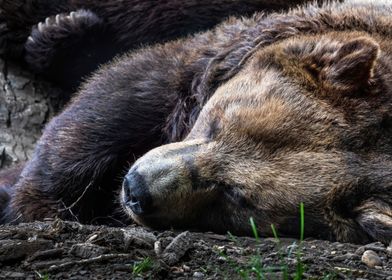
[{"x": 68, "y": 250}]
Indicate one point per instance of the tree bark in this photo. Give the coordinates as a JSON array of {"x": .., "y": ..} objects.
[{"x": 27, "y": 102}]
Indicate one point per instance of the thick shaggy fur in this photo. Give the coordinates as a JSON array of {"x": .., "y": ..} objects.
[
  {"x": 71, "y": 38},
  {"x": 262, "y": 113}
]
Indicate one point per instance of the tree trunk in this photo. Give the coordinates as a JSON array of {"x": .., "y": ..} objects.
[{"x": 26, "y": 104}]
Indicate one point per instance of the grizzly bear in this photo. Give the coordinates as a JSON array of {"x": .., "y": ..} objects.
[{"x": 246, "y": 120}]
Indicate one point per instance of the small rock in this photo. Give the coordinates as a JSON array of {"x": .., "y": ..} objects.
[
  {"x": 158, "y": 247},
  {"x": 389, "y": 249},
  {"x": 186, "y": 268},
  {"x": 221, "y": 259},
  {"x": 371, "y": 259},
  {"x": 177, "y": 248},
  {"x": 198, "y": 274},
  {"x": 177, "y": 270},
  {"x": 87, "y": 250}
]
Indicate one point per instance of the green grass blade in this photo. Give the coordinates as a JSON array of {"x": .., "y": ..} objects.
[
  {"x": 302, "y": 213},
  {"x": 254, "y": 228},
  {"x": 275, "y": 233}
]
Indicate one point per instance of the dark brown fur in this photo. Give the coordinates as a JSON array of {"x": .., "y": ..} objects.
[
  {"x": 267, "y": 112},
  {"x": 100, "y": 30}
]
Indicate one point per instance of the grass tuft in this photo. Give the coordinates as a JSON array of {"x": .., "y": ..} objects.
[
  {"x": 143, "y": 266},
  {"x": 254, "y": 268}
]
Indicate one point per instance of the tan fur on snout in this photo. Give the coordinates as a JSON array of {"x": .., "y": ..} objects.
[{"x": 167, "y": 172}]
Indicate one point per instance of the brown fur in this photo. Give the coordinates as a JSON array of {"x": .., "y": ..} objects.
[{"x": 262, "y": 114}]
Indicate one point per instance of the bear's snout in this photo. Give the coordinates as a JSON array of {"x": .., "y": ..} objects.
[
  {"x": 164, "y": 185},
  {"x": 135, "y": 193}
]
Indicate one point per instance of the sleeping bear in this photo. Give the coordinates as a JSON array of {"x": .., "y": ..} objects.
[{"x": 246, "y": 120}]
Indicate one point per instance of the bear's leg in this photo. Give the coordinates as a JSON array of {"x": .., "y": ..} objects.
[
  {"x": 79, "y": 163},
  {"x": 8, "y": 178},
  {"x": 69, "y": 46},
  {"x": 18, "y": 16},
  {"x": 375, "y": 217},
  {"x": 360, "y": 212}
]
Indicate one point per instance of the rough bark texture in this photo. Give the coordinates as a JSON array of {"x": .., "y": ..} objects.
[{"x": 26, "y": 104}]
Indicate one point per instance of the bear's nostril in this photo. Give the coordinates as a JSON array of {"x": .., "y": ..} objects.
[
  {"x": 133, "y": 199},
  {"x": 136, "y": 195}
]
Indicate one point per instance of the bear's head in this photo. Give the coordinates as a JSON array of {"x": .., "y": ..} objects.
[{"x": 304, "y": 116}]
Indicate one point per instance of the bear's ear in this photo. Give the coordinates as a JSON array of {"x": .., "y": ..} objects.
[{"x": 350, "y": 68}]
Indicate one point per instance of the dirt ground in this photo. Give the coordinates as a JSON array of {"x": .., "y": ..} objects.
[{"x": 68, "y": 250}]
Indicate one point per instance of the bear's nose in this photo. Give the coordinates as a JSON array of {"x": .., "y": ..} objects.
[{"x": 136, "y": 195}]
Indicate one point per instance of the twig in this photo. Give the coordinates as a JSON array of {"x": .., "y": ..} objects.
[
  {"x": 100, "y": 258},
  {"x": 79, "y": 198}
]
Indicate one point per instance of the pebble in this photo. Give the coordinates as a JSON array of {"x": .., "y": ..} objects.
[
  {"x": 158, "y": 247},
  {"x": 198, "y": 274},
  {"x": 186, "y": 268},
  {"x": 371, "y": 259},
  {"x": 389, "y": 249}
]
